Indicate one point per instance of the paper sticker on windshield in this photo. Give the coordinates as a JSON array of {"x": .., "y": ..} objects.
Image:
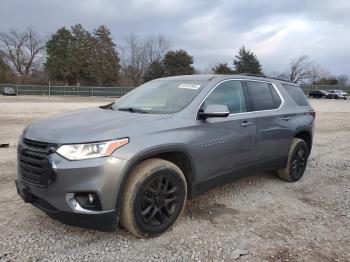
[{"x": 189, "y": 86}]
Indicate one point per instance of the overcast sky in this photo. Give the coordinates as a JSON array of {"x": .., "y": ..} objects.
[{"x": 211, "y": 31}]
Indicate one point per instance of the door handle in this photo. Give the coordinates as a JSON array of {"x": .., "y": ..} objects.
[
  {"x": 246, "y": 123},
  {"x": 286, "y": 118}
]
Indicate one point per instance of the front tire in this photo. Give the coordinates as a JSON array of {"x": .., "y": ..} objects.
[
  {"x": 154, "y": 197},
  {"x": 297, "y": 161}
]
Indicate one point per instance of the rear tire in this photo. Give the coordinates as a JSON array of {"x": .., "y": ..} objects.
[
  {"x": 297, "y": 161},
  {"x": 154, "y": 197}
]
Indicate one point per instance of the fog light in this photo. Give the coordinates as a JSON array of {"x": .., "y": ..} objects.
[
  {"x": 88, "y": 200},
  {"x": 75, "y": 203},
  {"x": 91, "y": 198}
]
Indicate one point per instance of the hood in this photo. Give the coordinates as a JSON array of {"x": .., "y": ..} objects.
[{"x": 88, "y": 125}]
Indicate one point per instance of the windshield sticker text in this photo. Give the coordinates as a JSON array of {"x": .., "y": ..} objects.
[{"x": 189, "y": 86}]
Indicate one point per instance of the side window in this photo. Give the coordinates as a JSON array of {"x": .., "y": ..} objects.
[
  {"x": 228, "y": 93},
  {"x": 275, "y": 96},
  {"x": 261, "y": 96},
  {"x": 297, "y": 94}
]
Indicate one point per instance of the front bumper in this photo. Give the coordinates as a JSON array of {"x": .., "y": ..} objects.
[{"x": 103, "y": 176}]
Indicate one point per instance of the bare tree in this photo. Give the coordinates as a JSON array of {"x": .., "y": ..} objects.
[
  {"x": 156, "y": 48},
  {"x": 343, "y": 80},
  {"x": 138, "y": 54},
  {"x": 22, "y": 50},
  {"x": 133, "y": 59},
  {"x": 278, "y": 74},
  {"x": 317, "y": 72},
  {"x": 300, "y": 69}
]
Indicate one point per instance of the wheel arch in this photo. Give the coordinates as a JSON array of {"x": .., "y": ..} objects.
[
  {"x": 177, "y": 155},
  {"x": 305, "y": 135}
]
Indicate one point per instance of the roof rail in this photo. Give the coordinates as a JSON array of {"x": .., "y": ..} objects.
[
  {"x": 281, "y": 79},
  {"x": 264, "y": 76},
  {"x": 250, "y": 74}
]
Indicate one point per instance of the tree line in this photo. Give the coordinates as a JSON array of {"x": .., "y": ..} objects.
[
  {"x": 75, "y": 56},
  {"x": 301, "y": 70}
]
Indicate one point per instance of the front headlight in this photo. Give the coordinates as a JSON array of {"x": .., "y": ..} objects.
[{"x": 91, "y": 150}]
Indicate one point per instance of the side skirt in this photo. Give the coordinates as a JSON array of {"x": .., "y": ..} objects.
[{"x": 231, "y": 175}]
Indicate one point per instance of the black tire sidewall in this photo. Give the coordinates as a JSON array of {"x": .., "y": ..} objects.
[
  {"x": 149, "y": 230},
  {"x": 295, "y": 149}
]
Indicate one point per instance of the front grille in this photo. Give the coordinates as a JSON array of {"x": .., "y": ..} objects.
[{"x": 35, "y": 168}]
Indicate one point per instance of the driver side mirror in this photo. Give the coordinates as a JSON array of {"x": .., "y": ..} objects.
[{"x": 214, "y": 111}]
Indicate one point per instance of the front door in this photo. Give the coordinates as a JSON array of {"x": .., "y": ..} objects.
[{"x": 224, "y": 144}]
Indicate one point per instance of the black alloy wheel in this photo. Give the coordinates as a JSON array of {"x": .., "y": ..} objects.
[
  {"x": 159, "y": 200},
  {"x": 154, "y": 197},
  {"x": 298, "y": 161}
]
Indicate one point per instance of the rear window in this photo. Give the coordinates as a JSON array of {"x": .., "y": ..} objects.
[
  {"x": 262, "y": 96},
  {"x": 297, "y": 94}
]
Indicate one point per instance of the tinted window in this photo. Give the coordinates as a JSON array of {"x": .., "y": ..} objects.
[
  {"x": 228, "y": 93},
  {"x": 261, "y": 96},
  {"x": 297, "y": 94}
]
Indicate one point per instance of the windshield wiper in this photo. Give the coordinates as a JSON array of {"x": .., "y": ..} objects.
[
  {"x": 108, "y": 106},
  {"x": 133, "y": 110}
]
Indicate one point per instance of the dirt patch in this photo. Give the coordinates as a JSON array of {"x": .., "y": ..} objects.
[
  {"x": 281, "y": 255},
  {"x": 212, "y": 212}
]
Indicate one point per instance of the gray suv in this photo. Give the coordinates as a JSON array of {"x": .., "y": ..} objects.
[{"x": 136, "y": 161}]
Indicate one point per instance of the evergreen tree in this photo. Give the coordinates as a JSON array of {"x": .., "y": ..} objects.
[
  {"x": 246, "y": 62},
  {"x": 58, "y": 56},
  {"x": 70, "y": 55},
  {"x": 154, "y": 70},
  {"x": 222, "y": 68},
  {"x": 326, "y": 81},
  {"x": 178, "y": 62},
  {"x": 82, "y": 55},
  {"x": 105, "y": 65}
]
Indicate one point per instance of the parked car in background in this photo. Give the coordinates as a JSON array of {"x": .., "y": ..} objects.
[
  {"x": 318, "y": 94},
  {"x": 141, "y": 157},
  {"x": 8, "y": 91},
  {"x": 338, "y": 94},
  {"x": 330, "y": 95}
]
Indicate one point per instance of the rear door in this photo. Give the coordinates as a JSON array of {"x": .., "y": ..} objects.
[
  {"x": 225, "y": 144},
  {"x": 272, "y": 128}
]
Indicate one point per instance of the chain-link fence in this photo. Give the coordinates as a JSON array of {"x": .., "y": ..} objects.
[
  {"x": 115, "y": 91},
  {"x": 68, "y": 90}
]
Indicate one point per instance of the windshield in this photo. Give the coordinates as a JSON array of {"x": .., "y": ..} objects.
[{"x": 160, "y": 96}]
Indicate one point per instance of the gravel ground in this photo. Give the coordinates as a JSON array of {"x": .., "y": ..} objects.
[{"x": 257, "y": 218}]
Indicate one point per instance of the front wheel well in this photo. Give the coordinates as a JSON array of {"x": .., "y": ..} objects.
[
  {"x": 182, "y": 161},
  {"x": 306, "y": 136},
  {"x": 178, "y": 158}
]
